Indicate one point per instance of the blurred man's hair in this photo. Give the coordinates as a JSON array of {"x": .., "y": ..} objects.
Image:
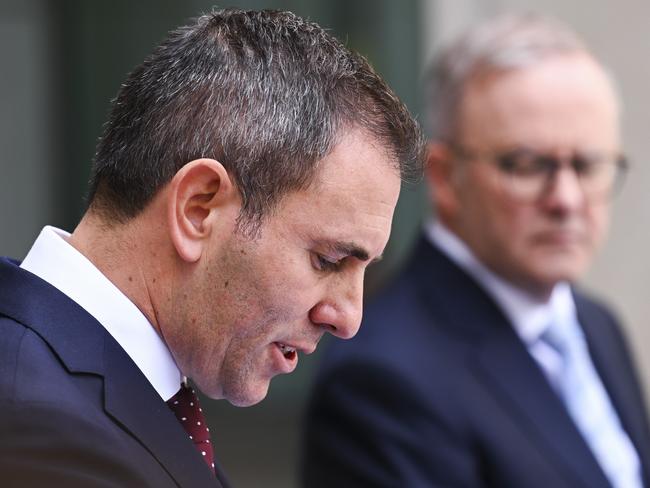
[
  {"x": 506, "y": 42},
  {"x": 265, "y": 93}
]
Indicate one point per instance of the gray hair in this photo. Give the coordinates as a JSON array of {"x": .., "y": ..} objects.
[{"x": 506, "y": 42}]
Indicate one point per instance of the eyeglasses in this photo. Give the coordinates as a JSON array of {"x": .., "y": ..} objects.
[{"x": 527, "y": 175}]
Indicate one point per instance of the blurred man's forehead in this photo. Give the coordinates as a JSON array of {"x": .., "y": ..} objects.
[{"x": 563, "y": 100}]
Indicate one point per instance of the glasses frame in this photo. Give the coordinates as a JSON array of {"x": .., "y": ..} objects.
[{"x": 555, "y": 161}]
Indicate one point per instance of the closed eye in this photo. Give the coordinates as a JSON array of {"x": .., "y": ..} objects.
[
  {"x": 324, "y": 263},
  {"x": 586, "y": 167}
]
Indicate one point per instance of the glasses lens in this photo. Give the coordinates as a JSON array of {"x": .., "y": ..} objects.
[
  {"x": 600, "y": 175},
  {"x": 526, "y": 174}
]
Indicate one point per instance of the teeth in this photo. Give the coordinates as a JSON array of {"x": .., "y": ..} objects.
[{"x": 286, "y": 349}]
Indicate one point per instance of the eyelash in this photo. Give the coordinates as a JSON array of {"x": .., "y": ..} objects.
[{"x": 324, "y": 264}]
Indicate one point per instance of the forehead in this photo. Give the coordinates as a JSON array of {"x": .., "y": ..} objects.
[
  {"x": 351, "y": 199},
  {"x": 561, "y": 101}
]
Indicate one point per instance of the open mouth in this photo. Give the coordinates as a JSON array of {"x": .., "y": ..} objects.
[{"x": 287, "y": 351}]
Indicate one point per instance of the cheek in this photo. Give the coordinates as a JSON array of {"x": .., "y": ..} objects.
[
  {"x": 505, "y": 223},
  {"x": 597, "y": 224},
  {"x": 262, "y": 308},
  {"x": 509, "y": 232},
  {"x": 485, "y": 204},
  {"x": 291, "y": 286},
  {"x": 520, "y": 223}
]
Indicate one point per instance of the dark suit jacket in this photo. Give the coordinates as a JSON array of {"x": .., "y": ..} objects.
[
  {"x": 438, "y": 390},
  {"x": 74, "y": 409}
]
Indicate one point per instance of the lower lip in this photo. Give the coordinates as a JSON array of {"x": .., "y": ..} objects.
[{"x": 281, "y": 363}]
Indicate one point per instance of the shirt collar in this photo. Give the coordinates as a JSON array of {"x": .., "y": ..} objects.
[
  {"x": 528, "y": 315},
  {"x": 54, "y": 260}
]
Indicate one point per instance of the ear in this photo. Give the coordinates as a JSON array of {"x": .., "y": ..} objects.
[
  {"x": 200, "y": 192},
  {"x": 441, "y": 178}
]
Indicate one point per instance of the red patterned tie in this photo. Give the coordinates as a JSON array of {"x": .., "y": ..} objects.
[{"x": 185, "y": 404}]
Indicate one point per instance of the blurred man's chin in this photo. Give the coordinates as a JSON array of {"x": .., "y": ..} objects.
[{"x": 554, "y": 273}]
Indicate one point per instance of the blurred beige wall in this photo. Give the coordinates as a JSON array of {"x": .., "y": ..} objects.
[{"x": 618, "y": 34}]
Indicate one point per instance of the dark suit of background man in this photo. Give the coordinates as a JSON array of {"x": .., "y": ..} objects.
[
  {"x": 482, "y": 365},
  {"x": 246, "y": 176}
]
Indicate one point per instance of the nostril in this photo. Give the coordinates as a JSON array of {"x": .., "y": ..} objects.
[
  {"x": 330, "y": 328},
  {"x": 338, "y": 331}
]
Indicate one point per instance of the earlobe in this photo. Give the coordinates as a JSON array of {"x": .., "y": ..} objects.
[{"x": 197, "y": 192}]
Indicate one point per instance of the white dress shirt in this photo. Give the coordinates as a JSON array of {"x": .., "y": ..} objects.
[
  {"x": 54, "y": 260},
  {"x": 528, "y": 316}
]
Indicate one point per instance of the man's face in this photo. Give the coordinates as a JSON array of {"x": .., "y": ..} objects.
[
  {"x": 562, "y": 105},
  {"x": 254, "y": 303}
]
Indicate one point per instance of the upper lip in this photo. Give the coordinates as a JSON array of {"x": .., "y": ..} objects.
[{"x": 304, "y": 348}]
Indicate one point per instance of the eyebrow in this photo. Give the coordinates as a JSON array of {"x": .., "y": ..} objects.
[{"x": 351, "y": 249}]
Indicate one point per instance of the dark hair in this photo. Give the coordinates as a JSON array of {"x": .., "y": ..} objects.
[{"x": 266, "y": 93}]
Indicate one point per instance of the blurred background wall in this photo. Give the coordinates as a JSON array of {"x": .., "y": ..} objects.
[{"x": 63, "y": 60}]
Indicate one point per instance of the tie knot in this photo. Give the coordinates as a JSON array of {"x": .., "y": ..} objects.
[{"x": 563, "y": 336}]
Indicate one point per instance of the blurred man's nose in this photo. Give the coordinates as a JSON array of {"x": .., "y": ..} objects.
[{"x": 564, "y": 192}]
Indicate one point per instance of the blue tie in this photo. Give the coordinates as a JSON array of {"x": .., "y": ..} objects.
[{"x": 589, "y": 405}]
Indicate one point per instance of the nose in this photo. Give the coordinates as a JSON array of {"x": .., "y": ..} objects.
[
  {"x": 341, "y": 309},
  {"x": 565, "y": 192}
]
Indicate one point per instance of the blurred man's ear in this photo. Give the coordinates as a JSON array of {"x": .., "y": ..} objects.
[
  {"x": 202, "y": 197},
  {"x": 441, "y": 175}
]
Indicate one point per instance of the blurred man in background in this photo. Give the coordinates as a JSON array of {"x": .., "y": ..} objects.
[
  {"x": 246, "y": 177},
  {"x": 482, "y": 365}
]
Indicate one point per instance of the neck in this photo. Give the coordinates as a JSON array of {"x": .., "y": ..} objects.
[
  {"x": 127, "y": 255},
  {"x": 539, "y": 293}
]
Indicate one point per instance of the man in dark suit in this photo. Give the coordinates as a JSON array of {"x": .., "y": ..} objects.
[
  {"x": 481, "y": 365},
  {"x": 246, "y": 177}
]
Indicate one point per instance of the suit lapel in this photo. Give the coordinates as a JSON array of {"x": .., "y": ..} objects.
[
  {"x": 137, "y": 407},
  {"x": 612, "y": 361},
  {"x": 502, "y": 364},
  {"x": 84, "y": 346},
  {"x": 511, "y": 375}
]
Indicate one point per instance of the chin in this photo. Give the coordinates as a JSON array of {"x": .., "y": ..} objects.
[
  {"x": 551, "y": 276},
  {"x": 556, "y": 267},
  {"x": 248, "y": 397}
]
